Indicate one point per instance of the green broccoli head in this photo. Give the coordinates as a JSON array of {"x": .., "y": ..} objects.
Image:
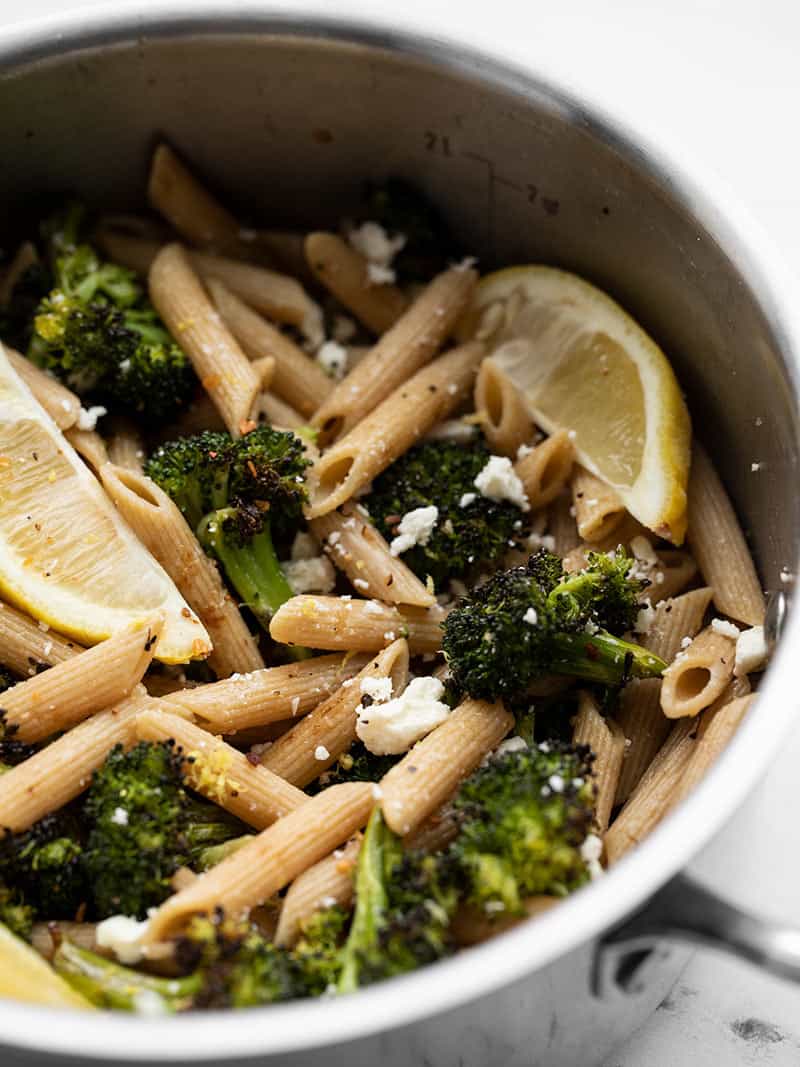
[
  {"x": 45, "y": 866},
  {"x": 15, "y": 913},
  {"x": 442, "y": 474},
  {"x": 518, "y": 626},
  {"x": 358, "y": 764},
  {"x": 317, "y": 954},
  {"x": 522, "y": 821}
]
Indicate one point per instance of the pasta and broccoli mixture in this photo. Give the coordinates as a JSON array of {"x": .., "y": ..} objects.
[{"x": 348, "y": 616}]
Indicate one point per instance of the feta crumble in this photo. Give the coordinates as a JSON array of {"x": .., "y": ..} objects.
[
  {"x": 332, "y": 357},
  {"x": 378, "y": 248},
  {"x": 119, "y": 817},
  {"x": 751, "y": 651},
  {"x": 467, "y": 499},
  {"x": 392, "y": 727},
  {"x": 499, "y": 481},
  {"x": 87, "y": 419},
  {"x": 415, "y": 528},
  {"x": 725, "y": 628},
  {"x": 304, "y": 546},
  {"x": 321, "y": 753},
  {"x": 310, "y": 575},
  {"x": 378, "y": 689},
  {"x": 591, "y": 851},
  {"x": 645, "y": 617},
  {"x": 531, "y": 616},
  {"x": 123, "y": 936}
]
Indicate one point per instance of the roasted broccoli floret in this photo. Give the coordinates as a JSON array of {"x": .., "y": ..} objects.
[
  {"x": 405, "y": 900},
  {"x": 45, "y": 866},
  {"x": 513, "y": 629},
  {"x": 522, "y": 821},
  {"x": 15, "y": 913},
  {"x": 97, "y": 331},
  {"x": 442, "y": 474},
  {"x": 143, "y": 826},
  {"x": 240, "y": 496},
  {"x": 317, "y": 954},
  {"x": 356, "y": 765},
  {"x": 402, "y": 209}
]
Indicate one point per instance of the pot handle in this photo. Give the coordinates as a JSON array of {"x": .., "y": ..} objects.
[{"x": 685, "y": 911}]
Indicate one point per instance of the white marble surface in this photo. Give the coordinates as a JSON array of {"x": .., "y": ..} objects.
[{"x": 720, "y": 78}]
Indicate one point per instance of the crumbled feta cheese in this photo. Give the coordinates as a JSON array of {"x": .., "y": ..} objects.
[
  {"x": 538, "y": 540},
  {"x": 725, "y": 628},
  {"x": 531, "y": 616},
  {"x": 321, "y": 753},
  {"x": 392, "y": 727},
  {"x": 756, "y": 467},
  {"x": 686, "y": 641},
  {"x": 644, "y": 551},
  {"x": 511, "y": 744},
  {"x": 751, "y": 651},
  {"x": 310, "y": 575},
  {"x": 123, "y": 936},
  {"x": 456, "y": 430},
  {"x": 556, "y": 783},
  {"x": 377, "y": 274},
  {"x": 373, "y": 607},
  {"x": 87, "y": 420},
  {"x": 379, "y": 689},
  {"x": 304, "y": 546},
  {"x": 361, "y": 583},
  {"x": 148, "y": 1002},
  {"x": 373, "y": 242},
  {"x": 119, "y": 817},
  {"x": 523, "y": 451},
  {"x": 415, "y": 528},
  {"x": 467, "y": 499},
  {"x": 591, "y": 851},
  {"x": 645, "y": 617},
  {"x": 499, "y": 481},
  {"x": 332, "y": 357}
]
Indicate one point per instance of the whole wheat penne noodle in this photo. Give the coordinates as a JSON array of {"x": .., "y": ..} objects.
[
  {"x": 298, "y": 380},
  {"x": 598, "y": 508},
  {"x": 361, "y": 551},
  {"x": 223, "y": 369},
  {"x": 697, "y": 675},
  {"x": 220, "y": 772},
  {"x": 129, "y": 250},
  {"x": 715, "y": 732},
  {"x": 333, "y": 623},
  {"x": 400, "y": 353},
  {"x": 70, "y": 692},
  {"x": 329, "y": 882},
  {"x": 25, "y": 976},
  {"x": 160, "y": 684},
  {"x": 435, "y": 833},
  {"x": 132, "y": 224},
  {"x": 44, "y": 937},
  {"x": 286, "y": 250},
  {"x": 25, "y": 646},
  {"x": 272, "y": 859},
  {"x": 426, "y": 776},
  {"x": 259, "y": 697},
  {"x": 719, "y": 545},
  {"x": 345, "y": 273},
  {"x": 89, "y": 445},
  {"x": 159, "y": 525},
  {"x": 400, "y": 420},
  {"x": 126, "y": 447},
  {"x": 471, "y": 926},
  {"x": 561, "y": 524},
  {"x": 504, "y": 415},
  {"x": 606, "y": 739},
  {"x": 643, "y": 722},
  {"x": 24, "y": 257},
  {"x": 651, "y": 798},
  {"x": 60, "y": 403},
  {"x": 50, "y": 778},
  {"x": 318, "y": 740},
  {"x": 189, "y": 207},
  {"x": 201, "y": 414},
  {"x": 675, "y": 570},
  {"x": 545, "y": 470},
  {"x": 278, "y": 413}
]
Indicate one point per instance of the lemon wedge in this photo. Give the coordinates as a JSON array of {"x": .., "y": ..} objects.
[
  {"x": 585, "y": 366},
  {"x": 66, "y": 556}
]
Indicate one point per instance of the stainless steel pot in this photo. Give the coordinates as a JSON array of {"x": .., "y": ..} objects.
[{"x": 287, "y": 116}]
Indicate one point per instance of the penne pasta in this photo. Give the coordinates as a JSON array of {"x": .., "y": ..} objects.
[
  {"x": 271, "y": 860},
  {"x": 89, "y": 445},
  {"x": 326, "y": 884},
  {"x": 45, "y": 936},
  {"x": 278, "y": 413},
  {"x": 260, "y": 697},
  {"x": 60, "y": 403},
  {"x": 607, "y": 741},
  {"x": 126, "y": 447},
  {"x": 70, "y": 692},
  {"x": 717, "y": 727},
  {"x": 361, "y": 551},
  {"x": 598, "y": 508},
  {"x": 719, "y": 545},
  {"x": 333, "y": 623},
  {"x": 345, "y": 273},
  {"x": 220, "y": 772},
  {"x": 561, "y": 524},
  {"x": 503, "y": 413},
  {"x": 161, "y": 528},
  {"x": 50, "y": 778},
  {"x": 26, "y": 646},
  {"x": 399, "y": 354},
  {"x": 397, "y": 423},
  {"x": 435, "y": 833},
  {"x": 223, "y": 369},
  {"x": 298, "y": 380},
  {"x": 25, "y": 976},
  {"x": 426, "y": 776},
  {"x": 317, "y": 741},
  {"x": 697, "y": 675},
  {"x": 545, "y": 470},
  {"x": 671, "y": 575}
]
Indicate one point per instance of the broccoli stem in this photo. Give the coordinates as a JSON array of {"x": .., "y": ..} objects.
[
  {"x": 371, "y": 902},
  {"x": 601, "y": 657},
  {"x": 110, "y": 985},
  {"x": 252, "y": 568}
]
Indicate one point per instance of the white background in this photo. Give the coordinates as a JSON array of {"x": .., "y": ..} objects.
[{"x": 717, "y": 81}]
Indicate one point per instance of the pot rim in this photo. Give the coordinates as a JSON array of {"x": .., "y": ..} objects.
[{"x": 305, "y": 1025}]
